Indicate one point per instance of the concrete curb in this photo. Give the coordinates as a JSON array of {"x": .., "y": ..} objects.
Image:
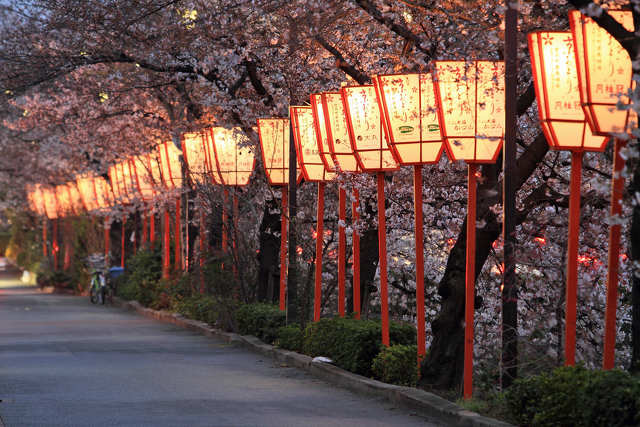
[{"x": 429, "y": 405}]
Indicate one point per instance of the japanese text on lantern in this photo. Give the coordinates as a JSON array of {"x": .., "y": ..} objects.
[
  {"x": 170, "y": 164},
  {"x": 234, "y": 155},
  {"x": 365, "y": 128},
  {"x": 604, "y": 71},
  {"x": 194, "y": 151},
  {"x": 472, "y": 101},
  {"x": 338, "y": 132},
  {"x": 411, "y": 116},
  {"x": 274, "y": 140},
  {"x": 321, "y": 132},
  {"x": 307, "y": 145},
  {"x": 556, "y": 79}
]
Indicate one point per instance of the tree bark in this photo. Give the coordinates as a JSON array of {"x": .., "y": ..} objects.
[{"x": 268, "y": 259}]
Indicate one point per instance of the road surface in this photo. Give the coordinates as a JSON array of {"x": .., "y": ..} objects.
[{"x": 65, "y": 362}]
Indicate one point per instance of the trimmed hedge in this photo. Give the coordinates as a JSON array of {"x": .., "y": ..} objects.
[
  {"x": 352, "y": 344},
  {"x": 261, "y": 320},
  {"x": 397, "y": 364},
  {"x": 576, "y": 396},
  {"x": 290, "y": 338}
]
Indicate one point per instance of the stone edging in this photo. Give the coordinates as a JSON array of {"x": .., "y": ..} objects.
[{"x": 426, "y": 404}]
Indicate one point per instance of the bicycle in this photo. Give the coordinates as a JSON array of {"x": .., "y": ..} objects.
[
  {"x": 97, "y": 291},
  {"x": 100, "y": 289}
]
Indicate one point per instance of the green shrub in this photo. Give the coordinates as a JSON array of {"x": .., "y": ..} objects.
[
  {"x": 397, "y": 364},
  {"x": 351, "y": 343},
  {"x": 261, "y": 320},
  {"x": 290, "y": 337},
  {"x": 576, "y": 396},
  {"x": 141, "y": 281}
]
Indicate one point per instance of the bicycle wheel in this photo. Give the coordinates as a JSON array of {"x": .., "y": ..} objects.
[{"x": 93, "y": 295}]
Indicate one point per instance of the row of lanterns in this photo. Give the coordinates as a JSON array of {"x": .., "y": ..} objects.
[{"x": 410, "y": 119}]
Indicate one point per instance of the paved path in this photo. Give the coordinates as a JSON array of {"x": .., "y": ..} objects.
[{"x": 65, "y": 362}]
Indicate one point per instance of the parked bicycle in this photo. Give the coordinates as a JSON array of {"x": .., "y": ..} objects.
[{"x": 100, "y": 289}]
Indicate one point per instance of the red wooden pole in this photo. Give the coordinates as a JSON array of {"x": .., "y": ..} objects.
[
  {"x": 178, "y": 236},
  {"x": 67, "y": 246},
  {"x": 356, "y": 254},
  {"x": 382, "y": 254},
  {"x": 55, "y": 243},
  {"x": 283, "y": 250},
  {"x": 235, "y": 214},
  {"x": 202, "y": 246},
  {"x": 107, "y": 240},
  {"x": 417, "y": 202},
  {"x": 614, "y": 259},
  {"x": 317, "y": 296},
  {"x": 122, "y": 237},
  {"x": 225, "y": 218},
  {"x": 342, "y": 244},
  {"x": 166, "y": 250},
  {"x": 145, "y": 230},
  {"x": 44, "y": 237},
  {"x": 470, "y": 282},
  {"x": 152, "y": 229},
  {"x": 572, "y": 260}
]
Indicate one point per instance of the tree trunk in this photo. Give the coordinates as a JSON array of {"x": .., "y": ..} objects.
[
  {"x": 268, "y": 257},
  {"x": 368, "y": 261}
]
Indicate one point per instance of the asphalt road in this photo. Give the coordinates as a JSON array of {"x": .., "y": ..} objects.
[{"x": 65, "y": 362}]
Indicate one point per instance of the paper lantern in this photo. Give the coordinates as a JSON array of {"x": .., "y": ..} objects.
[
  {"x": 410, "y": 115},
  {"x": 104, "y": 195},
  {"x": 364, "y": 123},
  {"x": 36, "y": 200},
  {"x": 210, "y": 157},
  {"x": 87, "y": 190},
  {"x": 471, "y": 97},
  {"x": 117, "y": 183},
  {"x": 556, "y": 83},
  {"x": 306, "y": 142},
  {"x": 171, "y": 164},
  {"x": 194, "y": 151},
  {"x": 233, "y": 155},
  {"x": 63, "y": 199},
  {"x": 322, "y": 136},
  {"x": 335, "y": 119},
  {"x": 50, "y": 202},
  {"x": 129, "y": 180},
  {"x": 155, "y": 169},
  {"x": 76, "y": 200},
  {"x": 143, "y": 176},
  {"x": 274, "y": 143},
  {"x": 604, "y": 71}
]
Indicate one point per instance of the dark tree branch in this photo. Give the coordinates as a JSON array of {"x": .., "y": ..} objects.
[{"x": 342, "y": 63}]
